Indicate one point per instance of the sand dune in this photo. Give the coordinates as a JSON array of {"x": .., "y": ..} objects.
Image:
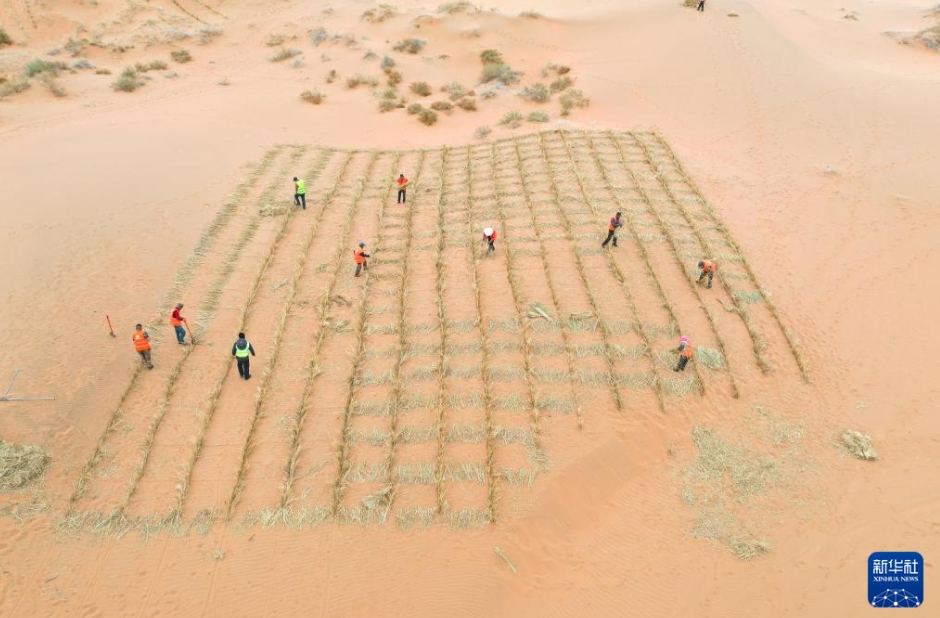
[{"x": 399, "y": 428}]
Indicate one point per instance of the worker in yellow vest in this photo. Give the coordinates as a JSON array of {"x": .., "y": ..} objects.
[
  {"x": 300, "y": 193},
  {"x": 241, "y": 351}
]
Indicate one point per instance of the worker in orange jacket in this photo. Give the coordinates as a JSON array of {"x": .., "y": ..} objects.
[
  {"x": 615, "y": 224},
  {"x": 708, "y": 270},
  {"x": 402, "y": 188},
  {"x": 685, "y": 353},
  {"x": 177, "y": 320},
  {"x": 360, "y": 255},
  {"x": 141, "y": 341}
]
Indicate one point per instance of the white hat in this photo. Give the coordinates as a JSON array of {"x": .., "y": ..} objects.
[{"x": 488, "y": 231}]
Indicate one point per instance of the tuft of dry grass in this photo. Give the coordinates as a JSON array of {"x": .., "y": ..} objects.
[
  {"x": 442, "y": 106},
  {"x": 40, "y": 66},
  {"x": 312, "y": 96},
  {"x": 358, "y": 80},
  {"x": 537, "y": 93},
  {"x": 181, "y": 56},
  {"x": 572, "y": 99},
  {"x": 463, "y": 6},
  {"x": 378, "y": 14},
  {"x": 5, "y": 38},
  {"x": 13, "y": 87},
  {"x": 153, "y": 65},
  {"x": 537, "y": 116},
  {"x": 410, "y": 46},
  {"x": 20, "y": 465},
  {"x": 561, "y": 84},
  {"x": 491, "y": 56},
  {"x": 713, "y": 359},
  {"x": 499, "y": 72},
  {"x": 129, "y": 81},
  {"x": 427, "y": 117},
  {"x": 54, "y": 87},
  {"x": 530, "y": 14},
  {"x": 467, "y": 104},
  {"x": 422, "y": 89},
  {"x": 276, "y": 40},
  {"x": 511, "y": 119},
  {"x": 285, "y": 53},
  {"x": 858, "y": 445}
]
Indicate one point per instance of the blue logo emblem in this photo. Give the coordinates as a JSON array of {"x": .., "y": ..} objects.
[{"x": 896, "y": 579}]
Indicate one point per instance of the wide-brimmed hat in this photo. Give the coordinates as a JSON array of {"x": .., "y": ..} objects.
[{"x": 488, "y": 231}]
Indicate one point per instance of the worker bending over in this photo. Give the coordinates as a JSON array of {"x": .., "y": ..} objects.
[
  {"x": 708, "y": 269},
  {"x": 300, "y": 193},
  {"x": 685, "y": 353},
  {"x": 615, "y": 224}
]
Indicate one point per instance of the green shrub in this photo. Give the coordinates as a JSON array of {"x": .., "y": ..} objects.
[
  {"x": 499, "y": 73},
  {"x": 415, "y": 108},
  {"x": 491, "y": 56},
  {"x": 536, "y": 92},
  {"x": 389, "y": 93},
  {"x": 318, "y": 36},
  {"x": 284, "y": 53},
  {"x": 454, "y": 90},
  {"x": 427, "y": 117},
  {"x": 410, "y": 46},
  {"x": 538, "y": 116},
  {"x": 482, "y": 132},
  {"x": 181, "y": 55},
  {"x": 14, "y": 87},
  {"x": 129, "y": 81},
  {"x": 467, "y": 104},
  {"x": 561, "y": 84},
  {"x": 5, "y": 38},
  {"x": 387, "y": 105},
  {"x": 37, "y": 66},
  {"x": 312, "y": 96},
  {"x": 511, "y": 119},
  {"x": 442, "y": 106},
  {"x": 420, "y": 88},
  {"x": 387, "y": 63}
]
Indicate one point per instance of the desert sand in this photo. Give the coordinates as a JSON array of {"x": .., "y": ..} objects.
[{"x": 802, "y": 133}]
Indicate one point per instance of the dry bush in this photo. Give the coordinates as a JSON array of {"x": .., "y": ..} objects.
[
  {"x": 387, "y": 105},
  {"x": 499, "y": 72},
  {"x": 561, "y": 84},
  {"x": 387, "y": 63},
  {"x": 530, "y": 14},
  {"x": 14, "y": 87},
  {"x": 318, "y": 35},
  {"x": 379, "y": 14},
  {"x": 454, "y": 90},
  {"x": 181, "y": 55},
  {"x": 511, "y": 119},
  {"x": 331, "y": 76},
  {"x": 415, "y": 108},
  {"x": 442, "y": 106},
  {"x": 858, "y": 445},
  {"x": 357, "y": 80},
  {"x": 20, "y": 465},
  {"x": 154, "y": 65},
  {"x": 537, "y": 116},
  {"x": 274, "y": 40},
  {"x": 38, "y": 66},
  {"x": 312, "y": 96},
  {"x": 572, "y": 99},
  {"x": 54, "y": 87},
  {"x": 427, "y": 117},
  {"x": 410, "y": 46},
  {"x": 467, "y": 104},
  {"x": 537, "y": 93},
  {"x": 129, "y": 81},
  {"x": 208, "y": 33},
  {"x": 491, "y": 56},
  {"x": 103, "y": 72},
  {"x": 393, "y": 78},
  {"x": 83, "y": 63},
  {"x": 284, "y": 53},
  {"x": 458, "y": 7},
  {"x": 420, "y": 88},
  {"x": 5, "y": 38},
  {"x": 557, "y": 69}
]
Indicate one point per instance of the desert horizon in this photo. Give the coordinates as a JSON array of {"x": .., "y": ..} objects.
[{"x": 442, "y": 426}]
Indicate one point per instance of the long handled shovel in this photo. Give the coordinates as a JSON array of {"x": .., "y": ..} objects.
[{"x": 190, "y": 333}]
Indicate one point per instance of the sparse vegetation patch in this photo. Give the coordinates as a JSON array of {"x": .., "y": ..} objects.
[
  {"x": 420, "y": 88},
  {"x": 377, "y": 15},
  {"x": 312, "y": 96},
  {"x": 858, "y": 445},
  {"x": 284, "y": 53},
  {"x": 20, "y": 465},
  {"x": 129, "y": 81},
  {"x": 410, "y": 46},
  {"x": 38, "y": 66},
  {"x": 572, "y": 99},
  {"x": 5, "y": 38},
  {"x": 537, "y": 93}
]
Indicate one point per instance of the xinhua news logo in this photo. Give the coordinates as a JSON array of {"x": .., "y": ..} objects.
[{"x": 896, "y": 579}]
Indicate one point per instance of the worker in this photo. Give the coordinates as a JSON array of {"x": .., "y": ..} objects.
[
  {"x": 177, "y": 320},
  {"x": 615, "y": 224},
  {"x": 402, "y": 186},
  {"x": 708, "y": 269},
  {"x": 701, "y": 6},
  {"x": 241, "y": 350},
  {"x": 685, "y": 353},
  {"x": 141, "y": 339},
  {"x": 361, "y": 255},
  {"x": 489, "y": 236},
  {"x": 300, "y": 193}
]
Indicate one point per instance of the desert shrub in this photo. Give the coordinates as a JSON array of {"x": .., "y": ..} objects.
[
  {"x": 427, "y": 117},
  {"x": 5, "y": 38},
  {"x": 312, "y": 96},
  {"x": 358, "y": 80},
  {"x": 571, "y": 100},
  {"x": 13, "y": 87},
  {"x": 454, "y": 90},
  {"x": 482, "y": 132},
  {"x": 103, "y": 72},
  {"x": 379, "y": 14},
  {"x": 538, "y": 116},
  {"x": 171, "y": 75},
  {"x": 387, "y": 105},
  {"x": 487, "y": 94},
  {"x": 415, "y": 108},
  {"x": 318, "y": 35},
  {"x": 129, "y": 81},
  {"x": 420, "y": 88},
  {"x": 561, "y": 84},
  {"x": 442, "y": 106},
  {"x": 181, "y": 55},
  {"x": 38, "y": 66},
  {"x": 276, "y": 39},
  {"x": 54, "y": 87},
  {"x": 491, "y": 56},
  {"x": 393, "y": 78},
  {"x": 369, "y": 55},
  {"x": 387, "y": 63},
  {"x": 457, "y": 7},
  {"x": 536, "y": 92},
  {"x": 331, "y": 76},
  {"x": 530, "y": 14},
  {"x": 511, "y": 119},
  {"x": 410, "y": 46},
  {"x": 467, "y": 104},
  {"x": 284, "y": 53},
  {"x": 499, "y": 73},
  {"x": 75, "y": 47},
  {"x": 209, "y": 32},
  {"x": 389, "y": 93},
  {"x": 83, "y": 63},
  {"x": 155, "y": 65}
]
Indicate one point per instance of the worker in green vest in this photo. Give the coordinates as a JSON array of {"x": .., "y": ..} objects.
[
  {"x": 300, "y": 193},
  {"x": 241, "y": 351}
]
